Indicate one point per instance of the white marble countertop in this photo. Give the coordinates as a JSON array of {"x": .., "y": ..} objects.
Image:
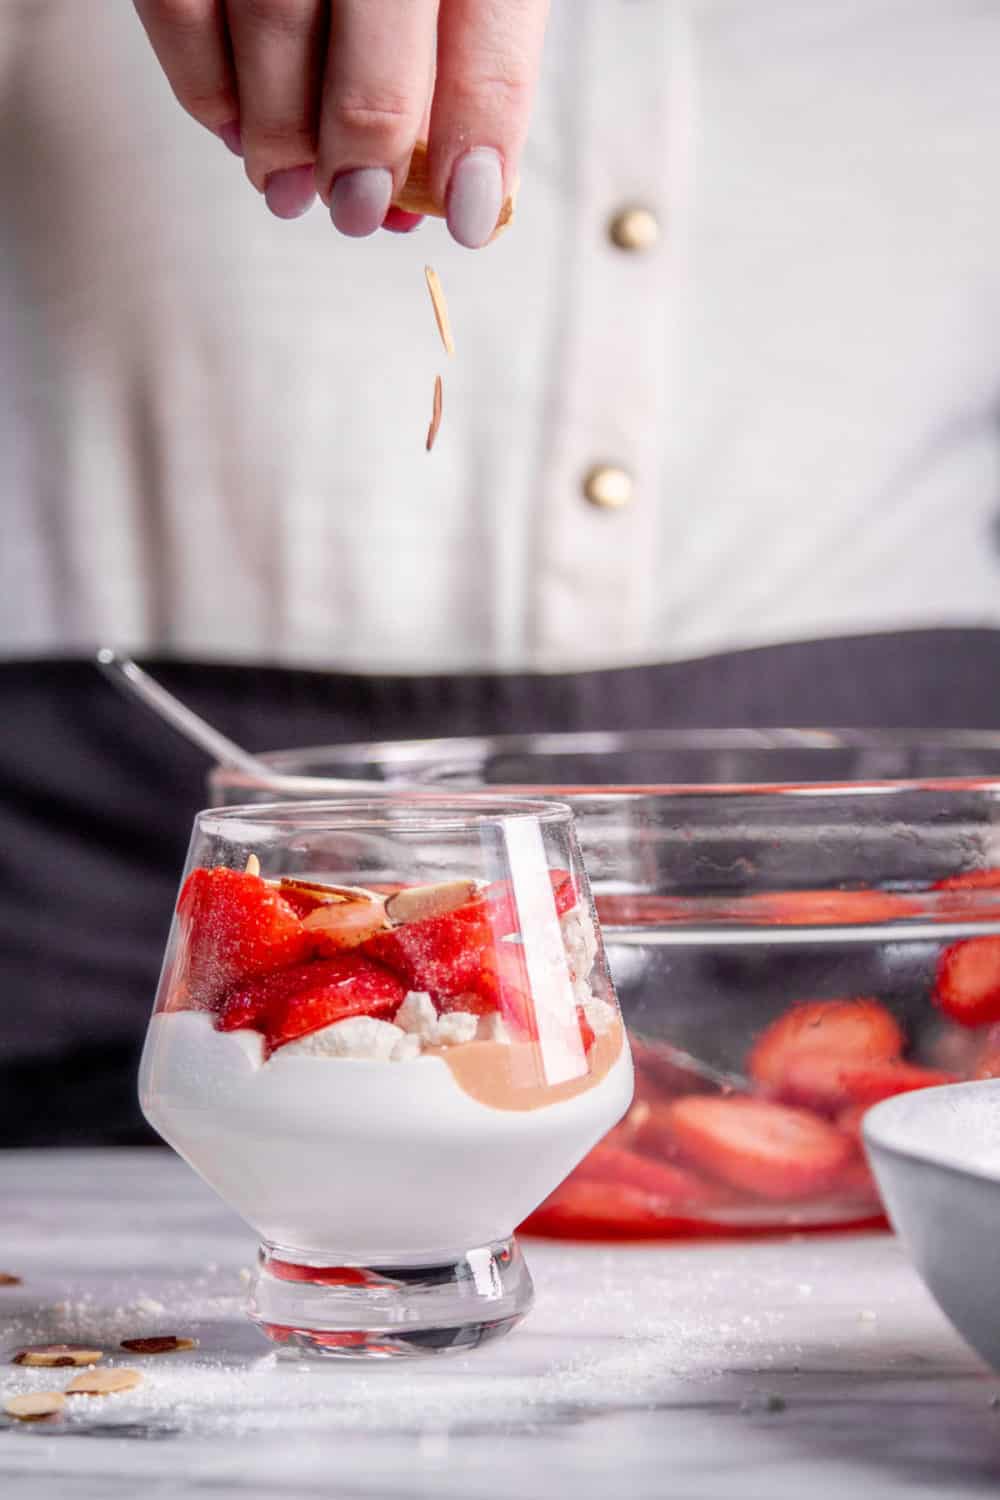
[{"x": 765, "y": 1371}]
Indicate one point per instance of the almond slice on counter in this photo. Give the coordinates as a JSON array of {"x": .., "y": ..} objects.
[
  {"x": 435, "y": 426},
  {"x": 8, "y": 1279},
  {"x": 35, "y": 1405},
  {"x": 440, "y": 308},
  {"x": 417, "y": 902},
  {"x": 252, "y": 866},
  {"x": 414, "y": 197},
  {"x": 165, "y": 1343},
  {"x": 52, "y": 1356},
  {"x": 103, "y": 1382}
]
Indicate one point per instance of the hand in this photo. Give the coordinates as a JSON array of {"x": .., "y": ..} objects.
[{"x": 330, "y": 96}]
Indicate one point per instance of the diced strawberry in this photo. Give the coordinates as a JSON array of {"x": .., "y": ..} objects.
[
  {"x": 442, "y": 955},
  {"x": 586, "y": 1030},
  {"x": 294, "y": 1002},
  {"x": 504, "y": 986},
  {"x": 765, "y": 1149},
  {"x": 234, "y": 926},
  {"x": 967, "y": 987},
  {"x": 817, "y": 1080},
  {"x": 859, "y": 1028},
  {"x": 503, "y": 901}
]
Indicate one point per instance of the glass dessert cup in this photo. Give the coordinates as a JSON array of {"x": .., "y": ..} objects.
[
  {"x": 384, "y": 1033},
  {"x": 798, "y": 923}
]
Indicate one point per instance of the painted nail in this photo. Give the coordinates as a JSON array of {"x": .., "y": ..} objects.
[
  {"x": 291, "y": 191},
  {"x": 398, "y": 221},
  {"x": 360, "y": 200},
  {"x": 231, "y": 137},
  {"x": 475, "y": 197}
]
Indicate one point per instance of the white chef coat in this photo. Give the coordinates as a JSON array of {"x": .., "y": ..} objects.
[{"x": 212, "y": 423}]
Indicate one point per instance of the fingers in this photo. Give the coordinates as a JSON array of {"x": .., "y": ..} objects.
[
  {"x": 278, "y": 50},
  {"x": 489, "y": 53},
  {"x": 191, "y": 43},
  {"x": 380, "y": 62}
]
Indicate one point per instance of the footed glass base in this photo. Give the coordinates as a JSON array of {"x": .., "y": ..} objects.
[{"x": 304, "y": 1302}]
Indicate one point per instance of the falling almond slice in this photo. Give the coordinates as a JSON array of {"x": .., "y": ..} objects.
[
  {"x": 7, "y": 1279},
  {"x": 418, "y": 902},
  {"x": 440, "y": 308},
  {"x": 252, "y": 866},
  {"x": 35, "y": 1405},
  {"x": 168, "y": 1343},
  {"x": 103, "y": 1382},
  {"x": 435, "y": 426},
  {"x": 415, "y": 196},
  {"x": 54, "y": 1356}
]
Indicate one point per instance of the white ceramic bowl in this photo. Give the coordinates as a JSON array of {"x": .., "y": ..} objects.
[{"x": 936, "y": 1156}]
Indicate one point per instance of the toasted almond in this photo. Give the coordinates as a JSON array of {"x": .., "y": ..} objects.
[
  {"x": 417, "y": 902},
  {"x": 440, "y": 308},
  {"x": 35, "y": 1405},
  {"x": 252, "y": 866},
  {"x": 7, "y": 1279},
  {"x": 103, "y": 1382},
  {"x": 53, "y": 1356},
  {"x": 435, "y": 426},
  {"x": 415, "y": 197},
  {"x": 166, "y": 1343},
  {"x": 347, "y": 924}
]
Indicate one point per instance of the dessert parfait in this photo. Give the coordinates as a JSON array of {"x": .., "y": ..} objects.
[{"x": 384, "y": 1074}]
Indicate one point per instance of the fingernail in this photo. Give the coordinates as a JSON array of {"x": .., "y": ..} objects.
[
  {"x": 231, "y": 137},
  {"x": 289, "y": 192},
  {"x": 360, "y": 200},
  {"x": 475, "y": 196},
  {"x": 398, "y": 221}
]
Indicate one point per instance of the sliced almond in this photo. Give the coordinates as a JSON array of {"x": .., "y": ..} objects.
[
  {"x": 347, "y": 923},
  {"x": 417, "y": 902},
  {"x": 252, "y": 866},
  {"x": 53, "y": 1356},
  {"x": 7, "y": 1279},
  {"x": 440, "y": 308},
  {"x": 103, "y": 1382},
  {"x": 167, "y": 1343},
  {"x": 415, "y": 197},
  {"x": 435, "y": 426},
  {"x": 35, "y": 1405}
]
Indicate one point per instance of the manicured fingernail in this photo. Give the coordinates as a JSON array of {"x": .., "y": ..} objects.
[
  {"x": 360, "y": 200},
  {"x": 398, "y": 221},
  {"x": 231, "y": 137},
  {"x": 290, "y": 192},
  {"x": 475, "y": 196}
]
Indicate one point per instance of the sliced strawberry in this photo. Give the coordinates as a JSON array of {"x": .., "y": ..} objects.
[
  {"x": 828, "y": 908},
  {"x": 970, "y": 880},
  {"x": 830, "y": 1084},
  {"x": 762, "y": 1148},
  {"x": 967, "y": 987},
  {"x": 234, "y": 926},
  {"x": 817, "y": 1080},
  {"x": 859, "y": 1028},
  {"x": 849, "y": 1121},
  {"x": 586, "y": 1207},
  {"x": 673, "y": 1185},
  {"x": 294, "y": 1002}
]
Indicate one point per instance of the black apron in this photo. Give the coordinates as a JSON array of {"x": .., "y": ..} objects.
[{"x": 97, "y": 798}]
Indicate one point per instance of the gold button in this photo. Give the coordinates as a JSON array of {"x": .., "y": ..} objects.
[
  {"x": 607, "y": 487},
  {"x": 634, "y": 229}
]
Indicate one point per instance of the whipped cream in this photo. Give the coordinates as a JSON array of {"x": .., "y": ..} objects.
[{"x": 359, "y": 1157}]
